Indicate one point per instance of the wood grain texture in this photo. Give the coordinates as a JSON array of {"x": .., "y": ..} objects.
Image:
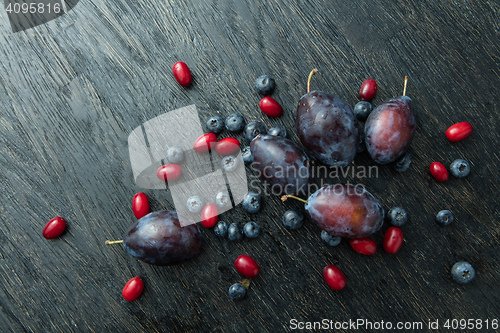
[{"x": 72, "y": 90}]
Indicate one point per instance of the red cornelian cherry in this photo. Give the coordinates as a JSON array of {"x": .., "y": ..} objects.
[
  {"x": 368, "y": 90},
  {"x": 54, "y": 228},
  {"x": 182, "y": 73},
  {"x": 365, "y": 245},
  {"x": 334, "y": 277},
  {"x": 393, "y": 240},
  {"x": 271, "y": 107},
  {"x": 247, "y": 266},
  {"x": 439, "y": 171},
  {"x": 209, "y": 215},
  {"x": 133, "y": 289},
  {"x": 169, "y": 172},
  {"x": 140, "y": 205},
  {"x": 458, "y": 131},
  {"x": 227, "y": 146},
  {"x": 205, "y": 142}
]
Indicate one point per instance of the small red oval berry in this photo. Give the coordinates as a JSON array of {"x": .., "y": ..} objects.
[
  {"x": 368, "y": 90},
  {"x": 365, "y": 245},
  {"x": 271, "y": 107},
  {"x": 182, "y": 73},
  {"x": 133, "y": 289},
  {"x": 246, "y": 266},
  {"x": 140, "y": 205},
  {"x": 169, "y": 172},
  {"x": 54, "y": 228},
  {"x": 227, "y": 146},
  {"x": 205, "y": 142},
  {"x": 458, "y": 131},
  {"x": 393, "y": 240},
  {"x": 439, "y": 171},
  {"x": 209, "y": 215},
  {"x": 334, "y": 277}
]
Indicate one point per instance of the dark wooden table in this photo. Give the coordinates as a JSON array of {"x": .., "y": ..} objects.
[{"x": 72, "y": 90}]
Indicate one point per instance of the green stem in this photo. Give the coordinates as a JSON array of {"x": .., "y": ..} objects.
[
  {"x": 114, "y": 242},
  {"x": 283, "y": 198},
  {"x": 404, "y": 88}
]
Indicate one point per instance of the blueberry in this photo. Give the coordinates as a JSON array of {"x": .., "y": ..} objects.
[
  {"x": 195, "y": 204},
  {"x": 265, "y": 85},
  {"x": 397, "y": 216},
  {"x": 330, "y": 239},
  {"x": 362, "y": 110},
  {"x": 251, "y": 202},
  {"x": 251, "y": 230},
  {"x": 247, "y": 155},
  {"x": 229, "y": 163},
  {"x": 278, "y": 131},
  {"x": 235, "y": 232},
  {"x": 235, "y": 123},
  {"x": 444, "y": 217},
  {"x": 463, "y": 272},
  {"x": 175, "y": 155},
  {"x": 361, "y": 142},
  {"x": 222, "y": 199},
  {"x": 215, "y": 124},
  {"x": 253, "y": 129},
  {"x": 460, "y": 168},
  {"x": 237, "y": 291},
  {"x": 403, "y": 163},
  {"x": 220, "y": 229},
  {"x": 292, "y": 219}
]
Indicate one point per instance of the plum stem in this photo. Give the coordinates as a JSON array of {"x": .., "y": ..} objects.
[
  {"x": 405, "y": 84},
  {"x": 108, "y": 242},
  {"x": 309, "y": 78},
  {"x": 283, "y": 198},
  {"x": 246, "y": 283}
]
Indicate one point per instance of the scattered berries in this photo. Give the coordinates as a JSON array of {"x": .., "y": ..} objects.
[
  {"x": 362, "y": 110},
  {"x": 215, "y": 124},
  {"x": 252, "y": 202},
  {"x": 133, "y": 289},
  {"x": 235, "y": 123},
  {"x": 182, "y": 73},
  {"x": 247, "y": 266},
  {"x": 278, "y": 131},
  {"x": 140, "y": 205},
  {"x": 368, "y": 90},
  {"x": 397, "y": 216},
  {"x": 235, "y": 232},
  {"x": 330, "y": 239},
  {"x": 195, "y": 204},
  {"x": 246, "y": 153},
  {"x": 444, "y": 217},
  {"x": 223, "y": 200},
  {"x": 365, "y": 245},
  {"x": 265, "y": 85},
  {"x": 293, "y": 219},
  {"x": 169, "y": 172},
  {"x": 237, "y": 291},
  {"x": 460, "y": 168},
  {"x": 205, "y": 142},
  {"x": 439, "y": 172},
  {"x": 462, "y": 272},
  {"x": 251, "y": 230},
  {"x": 175, "y": 155},
  {"x": 271, "y": 107},
  {"x": 458, "y": 131},
  {"x": 393, "y": 240},
  {"x": 334, "y": 277},
  {"x": 220, "y": 229},
  {"x": 229, "y": 163},
  {"x": 403, "y": 163},
  {"x": 54, "y": 228},
  {"x": 227, "y": 146},
  {"x": 209, "y": 215},
  {"x": 253, "y": 129}
]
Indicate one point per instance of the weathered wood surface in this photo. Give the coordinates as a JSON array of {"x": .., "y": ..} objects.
[{"x": 72, "y": 90}]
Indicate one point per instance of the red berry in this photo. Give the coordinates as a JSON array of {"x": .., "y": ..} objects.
[
  {"x": 227, "y": 146},
  {"x": 365, "y": 245},
  {"x": 271, "y": 107},
  {"x": 368, "y": 90},
  {"x": 209, "y": 215},
  {"x": 334, "y": 277},
  {"x": 393, "y": 240},
  {"x": 140, "y": 205},
  {"x": 439, "y": 172},
  {"x": 459, "y": 131},
  {"x": 246, "y": 266},
  {"x": 133, "y": 289},
  {"x": 205, "y": 142},
  {"x": 54, "y": 228},
  {"x": 182, "y": 73},
  {"x": 169, "y": 172}
]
